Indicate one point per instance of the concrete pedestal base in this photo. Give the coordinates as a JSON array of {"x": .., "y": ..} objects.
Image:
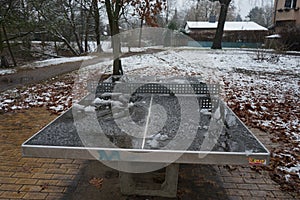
[{"x": 168, "y": 188}]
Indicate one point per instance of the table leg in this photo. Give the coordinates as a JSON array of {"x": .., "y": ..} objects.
[{"x": 168, "y": 188}]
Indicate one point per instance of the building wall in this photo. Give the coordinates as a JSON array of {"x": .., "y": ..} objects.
[
  {"x": 287, "y": 24},
  {"x": 289, "y": 14}
]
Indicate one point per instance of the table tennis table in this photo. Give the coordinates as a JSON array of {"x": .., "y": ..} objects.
[{"x": 139, "y": 124}]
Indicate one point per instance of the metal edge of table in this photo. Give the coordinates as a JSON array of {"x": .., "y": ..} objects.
[{"x": 156, "y": 156}]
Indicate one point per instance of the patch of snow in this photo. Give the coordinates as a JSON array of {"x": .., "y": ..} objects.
[
  {"x": 248, "y": 152},
  {"x": 205, "y": 111},
  {"x": 55, "y": 61},
  {"x": 78, "y": 106},
  {"x": 130, "y": 104},
  {"x": 97, "y": 101},
  {"x": 153, "y": 143},
  {"x": 7, "y": 71},
  {"x": 89, "y": 109},
  {"x": 275, "y": 36},
  {"x": 163, "y": 137},
  {"x": 294, "y": 169},
  {"x": 57, "y": 108},
  {"x": 8, "y": 101},
  {"x": 266, "y": 123}
]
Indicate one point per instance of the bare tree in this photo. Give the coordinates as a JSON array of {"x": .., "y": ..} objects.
[
  {"x": 91, "y": 10},
  {"x": 201, "y": 10},
  {"x": 69, "y": 8},
  {"x": 261, "y": 15},
  {"x": 69, "y": 21},
  {"x": 56, "y": 20},
  {"x": 145, "y": 9},
  {"x": 96, "y": 16},
  {"x": 14, "y": 24}
]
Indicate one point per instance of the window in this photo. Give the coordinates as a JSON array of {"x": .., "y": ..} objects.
[{"x": 290, "y": 3}]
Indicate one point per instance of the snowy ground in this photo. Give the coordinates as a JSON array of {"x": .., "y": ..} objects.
[
  {"x": 261, "y": 88},
  {"x": 7, "y": 71},
  {"x": 45, "y": 63},
  {"x": 106, "y": 46}
]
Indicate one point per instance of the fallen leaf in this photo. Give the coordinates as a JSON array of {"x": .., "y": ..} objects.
[{"x": 96, "y": 182}]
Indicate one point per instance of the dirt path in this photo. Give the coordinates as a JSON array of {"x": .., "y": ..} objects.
[{"x": 29, "y": 76}]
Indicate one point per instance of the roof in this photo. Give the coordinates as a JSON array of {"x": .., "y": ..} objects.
[{"x": 229, "y": 26}]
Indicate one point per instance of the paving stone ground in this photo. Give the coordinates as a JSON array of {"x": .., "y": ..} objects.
[
  {"x": 39, "y": 178},
  {"x": 28, "y": 178}
]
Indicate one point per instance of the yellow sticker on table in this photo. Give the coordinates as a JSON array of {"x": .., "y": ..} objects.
[{"x": 254, "y": 161}]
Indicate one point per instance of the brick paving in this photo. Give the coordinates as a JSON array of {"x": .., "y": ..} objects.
[
  {"x": 39, "y": 178},
  {"x": 32, "y": 178},
  {"x": 241, "y": 182}
]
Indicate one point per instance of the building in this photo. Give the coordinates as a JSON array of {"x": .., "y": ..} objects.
[
  {"x": 287, "y": 13},
  {"x": 236, "y": 34},
  {"x": 287, "y": 24}
]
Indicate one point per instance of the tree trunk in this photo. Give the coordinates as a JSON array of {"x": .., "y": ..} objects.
[
  {"x": 3, "y": 62},
  {"x": 74, "y": 29},
  {"x": 217, "y": 42},
  {"x": 141, "y": 32},
  {"x": 197, "y": 10},
  {"x": 117, "y": 69},
  {"x": 97, "y": 24},
  {"x": 87, "y": 29},
  {"x": 1, "y": 41},
  {"x": 113, "y": 19},
  {"x": 167, "y": 12},
  {"x": 86, "y": 45},
  {"x": 8, "y": 46}
]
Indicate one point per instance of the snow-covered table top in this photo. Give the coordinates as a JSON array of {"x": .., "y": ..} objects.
[{"x": 149, "y": 127}]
